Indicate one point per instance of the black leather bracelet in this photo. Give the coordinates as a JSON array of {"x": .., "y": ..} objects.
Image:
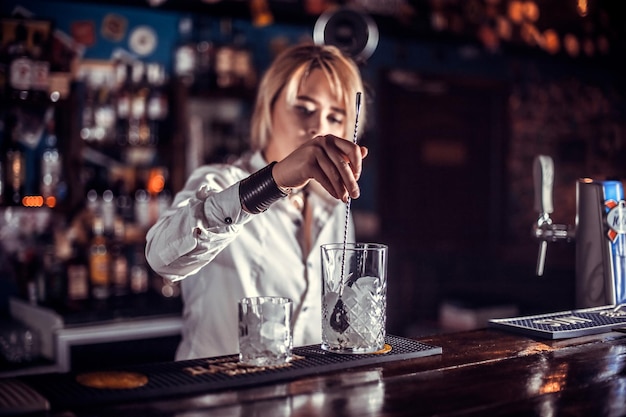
[{"x": 259, "y": 190}]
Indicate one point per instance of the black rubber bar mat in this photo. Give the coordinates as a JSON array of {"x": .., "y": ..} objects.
[
  {"x": 566, "y": 324},
  {"x": 18, "y": 398},
  {"x": 219, "y": 373}
]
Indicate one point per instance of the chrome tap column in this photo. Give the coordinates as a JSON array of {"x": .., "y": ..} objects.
[{"x": 600, "y": 243}]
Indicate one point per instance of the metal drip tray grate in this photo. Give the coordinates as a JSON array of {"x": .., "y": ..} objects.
[
  {"x": 566, "y": 324},
  {"x": 212, "y": 374}
]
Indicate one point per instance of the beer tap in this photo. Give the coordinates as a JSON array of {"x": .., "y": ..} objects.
[{"x": 544, "y": 229}]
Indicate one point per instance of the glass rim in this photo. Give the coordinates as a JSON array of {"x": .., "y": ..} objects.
[
  {"x": 261, "y": 299},
  {"x": 354, "y": 246}
]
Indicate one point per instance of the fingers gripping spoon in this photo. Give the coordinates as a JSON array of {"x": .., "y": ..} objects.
[{"x": 339, "y": 320}]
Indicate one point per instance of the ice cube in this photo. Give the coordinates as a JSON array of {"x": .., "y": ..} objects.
[
  {"x": 363, "y": 285},
  {"x": 273, "y": 312},
  {"x": 274, "y": 331}
]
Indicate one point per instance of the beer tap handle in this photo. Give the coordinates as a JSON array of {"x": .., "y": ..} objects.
[{"x": 543, "y": 174}]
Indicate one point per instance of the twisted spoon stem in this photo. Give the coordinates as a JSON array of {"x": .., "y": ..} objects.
[{"x": 348, "y": 203}]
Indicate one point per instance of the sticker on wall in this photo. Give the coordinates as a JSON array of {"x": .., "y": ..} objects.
[
  {"x": 84, "y": 32},
  {"x": 143, "y": 40},
  {"x": 114, "y": 27}
]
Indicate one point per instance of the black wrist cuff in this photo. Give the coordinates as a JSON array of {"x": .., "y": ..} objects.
[{"x": 259, "y": 191}]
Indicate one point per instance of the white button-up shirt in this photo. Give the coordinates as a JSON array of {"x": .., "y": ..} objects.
[{"x": 226, "y": 254}]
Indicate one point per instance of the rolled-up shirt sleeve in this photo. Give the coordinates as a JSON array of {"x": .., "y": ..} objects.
[{"x": 203, "y": 219}]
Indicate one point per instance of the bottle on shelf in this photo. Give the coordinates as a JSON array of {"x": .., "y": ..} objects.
[
  {"x": 108, "y": 213},
  {"x": 157, "y": 104},
  {"x": 234, "y": 61},
  {"x": 40, "y": 69},
  {"x": 123, "y": 203},
  {"x": 14, "y": 170},
  {"x": 53, "y": 271},
  {"x": 139, "y": 275},
  {"x": 88, "y": 122},
  {"x": 99, "y": 262},
  {"x": 142, "y": 209},
  {"x": 138, "y": 127},
  {"x": 225, "y": 57},
  {"x": 28, "y": 267},
  {"x": 104, "y": 110},
  {"x": 54, "y": 280},
  {"x": 119, "y": 260},
  {"x": 123, "y": 74},
  {"x": 98, "y": 109},
  {"x": 93, "y": 205},
  {"x": 204, "y": 71},
  {"x": 20, "y": 65},
  {"x": 77, "y": 275},
  {"x": 185, "y": 60},
  {"x": 243, "y": 63},
  {"x": 51, "y": 184}
]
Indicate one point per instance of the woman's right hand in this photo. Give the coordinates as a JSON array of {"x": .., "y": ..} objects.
[{"x": 334, "y": 162}]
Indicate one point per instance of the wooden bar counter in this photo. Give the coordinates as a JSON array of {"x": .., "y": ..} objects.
[{"x": 487, "y": 372}]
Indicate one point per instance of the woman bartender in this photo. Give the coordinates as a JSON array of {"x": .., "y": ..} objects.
[{"x": 254, "y": 227}]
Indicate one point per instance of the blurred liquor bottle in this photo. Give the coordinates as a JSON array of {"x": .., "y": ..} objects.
[
  {"x": 138, "y": 127},
  {"x": 20, "y": 65},
  {"x": 99, "y": 262},
  {"x": 14, "y": 168},
  {"x": 52, "y": 186},
  {"x": 40, "y": 69},
  {"x": 77, "y": 275},
  {"x": 88, "y": 122},
  {"x": 139, "y": 273},
  {"x": 119, "y": 268},
  {"x": 185, "y": 52},
  {"x": 123, "y": 75},
  {"x": 158, "y": 102}
]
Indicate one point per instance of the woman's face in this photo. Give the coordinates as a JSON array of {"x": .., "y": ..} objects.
[{"x": 316, "y": 111}]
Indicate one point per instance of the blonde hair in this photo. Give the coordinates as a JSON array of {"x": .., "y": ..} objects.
[{"x": 290, "y": 69}]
